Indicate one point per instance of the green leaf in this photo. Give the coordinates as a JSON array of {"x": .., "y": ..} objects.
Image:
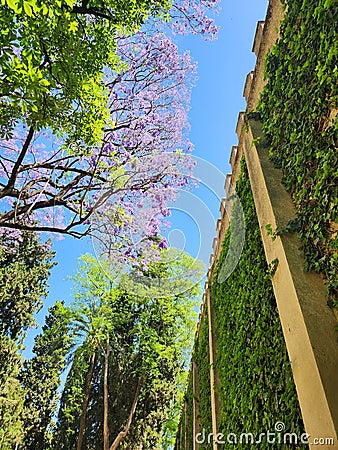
[
  {"x": 28, "y": 9},
  {"x": 13, "y": 4}
]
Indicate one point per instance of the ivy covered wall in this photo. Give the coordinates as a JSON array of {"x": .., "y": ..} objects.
[
  {"x": 184, "y": 438},
  {"x": 256, "y": 388},
  {"x": 202, "y": 358},
  {"x": 299, "y": 107},
  {"x": 256, "y": 384},
  {"x": 202, "y": 396}
]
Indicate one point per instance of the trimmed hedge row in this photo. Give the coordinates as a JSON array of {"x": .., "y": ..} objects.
[{"x": 299, "y": 107}]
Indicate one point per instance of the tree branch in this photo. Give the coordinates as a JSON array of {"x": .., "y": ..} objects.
[
  {"x": 19, "y": 226},
  {"x": 123, "y": 433},
  {"x": 17, "y": 165}
]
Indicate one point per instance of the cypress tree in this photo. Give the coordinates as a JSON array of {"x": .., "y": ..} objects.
[
  {"x": 41, "y": 378},
  {"x": 25, "y": 264}
]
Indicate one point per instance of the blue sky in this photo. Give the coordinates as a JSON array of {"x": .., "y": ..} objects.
[{"x": 216, "y": 101}]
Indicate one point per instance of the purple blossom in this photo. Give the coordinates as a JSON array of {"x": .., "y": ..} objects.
[
  {"x": 163, "y": 244},
  {"x": 137, "y": 163}
]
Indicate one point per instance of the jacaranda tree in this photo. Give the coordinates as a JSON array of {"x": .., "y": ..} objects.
[{"x": 83, "y": 98}]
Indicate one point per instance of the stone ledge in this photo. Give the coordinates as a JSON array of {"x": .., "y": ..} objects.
[
  {"x": 247, "y": 86},
  {"x": 258, "y": 37}
]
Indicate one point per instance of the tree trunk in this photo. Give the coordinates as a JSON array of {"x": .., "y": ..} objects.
[
  {"x": 85, "y": 401},
  {"x": 123, "y": 433},
  {"x": 105, "y": 398}
]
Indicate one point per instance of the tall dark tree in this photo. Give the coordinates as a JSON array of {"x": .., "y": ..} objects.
[
  {"x": 25, "y": 264},
  {"x": 41, "y": 378},
  {"x": 74, "y": 398},
  {"x": 11, "y": 395},
  {"x": 138, "y": 364}
]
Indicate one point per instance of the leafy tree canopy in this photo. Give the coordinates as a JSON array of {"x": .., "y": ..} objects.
[
  {"x": 88, "y": 105},
  {"x": 52, "y": 57},
  {"x": 133, "y": 345},
  {"x": 53, "y": 54}
]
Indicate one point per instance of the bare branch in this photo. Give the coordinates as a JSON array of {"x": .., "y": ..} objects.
[{"x": 15, "y": 170}]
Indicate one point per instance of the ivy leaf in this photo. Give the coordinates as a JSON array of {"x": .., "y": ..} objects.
[{"x": 329, "y": 3}]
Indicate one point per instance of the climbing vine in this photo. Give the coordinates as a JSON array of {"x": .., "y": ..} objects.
[
  {"x": 299, "y": 107},
  {"x": 185, "y": 435},
  {"x": 202, "y": 358},
  {"x": 256, "y": 383},
  {"x": 255, "y": 386},
  {"x": 189, "y": 419}
]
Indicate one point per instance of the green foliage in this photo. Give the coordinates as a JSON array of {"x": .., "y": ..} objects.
[
  {"x": 11, "y": 394},
  {"x": 52, "y": 56},
  {"x": 65, "y": 436},
  {"x": 25, "y": 265},
  {"x": 174, "y": 272},
  {"x": 181, "y": 434},
  {"x": 41, "y": 378},
  {"x": 149, "y": 339},
  {"x": 270, "y": 232},
  {"x": 170, "y": 425},
  {"x": 256, "y": 387},
  {"x": 256, "y": 384},
  {"x": 201, "y": 357},
  {"x": 189, "y": 416},
  {"x": 299, "y": 112}
]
